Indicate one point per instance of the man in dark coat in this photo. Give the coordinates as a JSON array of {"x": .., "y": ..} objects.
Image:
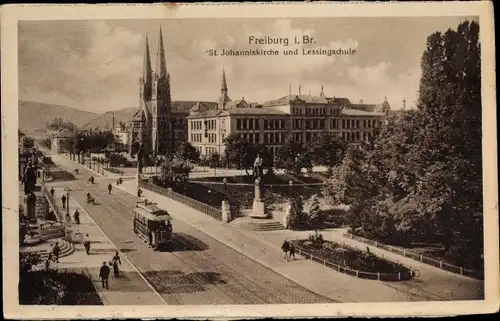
[
  {"x": 104, "y": 275},
  {"x": 63, "y": 200}
]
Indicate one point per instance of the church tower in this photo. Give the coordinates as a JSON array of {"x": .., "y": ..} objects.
[
  {"x": 224, "y": 98},
  {"x": 146, "y": 85},
  {"x": 161, "y": 102}
]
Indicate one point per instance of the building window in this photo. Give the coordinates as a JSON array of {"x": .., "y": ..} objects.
[{"x": 238, "y": 124}]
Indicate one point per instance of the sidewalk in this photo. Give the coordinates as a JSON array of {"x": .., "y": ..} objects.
[
  {"x": 129, "y": 288},
  {"x": 265, "y": 249}
]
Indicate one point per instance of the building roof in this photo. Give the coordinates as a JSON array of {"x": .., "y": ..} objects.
[
  {"x": 64, "y": 133},
  {"x": 305, "y": 98},
  {"x": 254, "y": 111},
  {"x": 340, "y": 100},
  {"x": 357, "y": 112}
]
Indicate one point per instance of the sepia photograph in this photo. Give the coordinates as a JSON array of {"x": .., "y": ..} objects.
[{"x": 249, "y": 161}]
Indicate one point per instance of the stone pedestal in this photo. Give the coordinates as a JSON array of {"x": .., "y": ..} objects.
[
  {"x": 258, "y": 209},
  {"x": 286, "y": 218},
  {"x": 30, "y": 206},
  {"x": 41, "y": 207},
  {"x": 226, "y": 212}
]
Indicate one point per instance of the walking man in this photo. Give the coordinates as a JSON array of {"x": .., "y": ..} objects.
[
  {"x": 57, "y": 252},
  {"x": 63, "y": 199},
  {"x": 292, "y": 251},
  {"x": 104, "y": 275},
  {"x": 110, "y": 188},
  {"x": 86, "y": 244},
  {"x": 76, "y": 217},
  {"x": 285, "y": 247},
  {"x": 52, "y": 191}
]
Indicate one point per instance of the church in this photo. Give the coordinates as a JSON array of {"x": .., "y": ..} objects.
[{"x": 157, "y": 124}]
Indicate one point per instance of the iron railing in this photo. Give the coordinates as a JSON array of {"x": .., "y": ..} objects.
[
  {"x": 421, "y": 258},
  {"x": 183, "y": 199},
  {"x": 338, "y": 266}
]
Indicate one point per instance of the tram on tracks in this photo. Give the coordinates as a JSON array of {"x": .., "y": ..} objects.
[{"x": 153, "y": 225}]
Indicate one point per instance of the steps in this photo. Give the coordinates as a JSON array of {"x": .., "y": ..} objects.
[
  {"x": 254, "y": 224},
  {"x": 67, "y": 248}
]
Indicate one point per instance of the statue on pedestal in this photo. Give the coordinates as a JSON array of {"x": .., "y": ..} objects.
[
  {"x": 29, "y": 179},
  {"x": 258, "y": 202}
]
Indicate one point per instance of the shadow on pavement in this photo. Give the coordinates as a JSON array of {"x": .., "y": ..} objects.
[
  {"x": 176, "y": 282},
  {"x": 184, "y": 242},
  {"x": 60, "y": 175}
]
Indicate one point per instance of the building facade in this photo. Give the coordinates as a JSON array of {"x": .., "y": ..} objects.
[{"x": 293, "y": 117}]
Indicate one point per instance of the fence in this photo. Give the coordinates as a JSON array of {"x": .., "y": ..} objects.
[
  {"x": 59, "y": 213},
  {"x": 419, "y": 257},
  {"x": 194, "y": 204},
  {"x": 357, "y": 273}
]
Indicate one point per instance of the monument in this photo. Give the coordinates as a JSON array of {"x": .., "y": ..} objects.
[
  {"x": 258, "y": 202},
  {"x": 29, "y": 179}
]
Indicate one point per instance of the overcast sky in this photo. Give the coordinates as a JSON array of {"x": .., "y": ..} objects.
[{"x": 95, "y": 65}]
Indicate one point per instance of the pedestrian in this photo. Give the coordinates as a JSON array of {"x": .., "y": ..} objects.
[
  {"x": 52, "y": 191},
  {"x": 47, "y": 262},
  {"x": 292, "y": 250},
  {"x": 116, "y": 261},
  {"x": 110, "y": 188},
  {"x": 76, "y": 217},
  {"x": 285, "y": 247},
  {"x": 139, "y": 192},
  {"x": 86, "y": 244},
  {"x": 104, "y": 275},
  {"x": 63, "y": 199},
  {"x": 56, "y": 250}
]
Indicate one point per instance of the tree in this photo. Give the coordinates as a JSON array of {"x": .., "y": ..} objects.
[
  {"x": 46, "y": 142},
  {"x": 187, "y": 152},
  {"x": 174, "y": 173},
  {"x": 293, "y": 157},
  {"x": 27, "y": 142},
  {"x": 239, "y": 152},
  {"x": 327, "y": 149},
  {"x": 316, "y": 215},
  {"x": 298, "y": 218}
]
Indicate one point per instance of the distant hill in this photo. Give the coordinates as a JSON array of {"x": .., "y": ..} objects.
[{"x": 35, "y": 115}]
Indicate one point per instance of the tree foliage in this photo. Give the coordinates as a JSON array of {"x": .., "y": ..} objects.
[
  {"x": 239, "y": 152},
  {"x": 293, "y": 157},
  {"x": 298, "y": 218},
  {"x": 316, "y": 217},
  {"x": 421, "y": 179},
  {"x": 174, "y": 173},
  {"x": 327, "y": 149},
  {"x": 187, "y": 152}
]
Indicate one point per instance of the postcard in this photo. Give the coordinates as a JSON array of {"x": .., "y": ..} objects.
[{"x": 243, "y": 160}]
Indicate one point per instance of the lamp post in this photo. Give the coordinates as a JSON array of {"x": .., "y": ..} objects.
[
  {"x": 290, "y": 183},
  {"x": 225, "y": 188},
  {"x": 67, "y": 200}
]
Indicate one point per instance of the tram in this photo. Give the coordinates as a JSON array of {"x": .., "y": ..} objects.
[{"x": 153, "y": 225}]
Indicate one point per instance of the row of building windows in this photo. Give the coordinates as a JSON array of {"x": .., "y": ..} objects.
[
  {"x": 212, "y": 138},
  {"x": 247, "y": 123},
  {"x": 196, "y": 138},
  {"x": 274, "y": 124},
  {"x": 315, "y": 111},
  {"x": 211, "y": 151},
  {"x": 211, "y": 124},
  {"x": 354, "y": 123},
  {"x": 196, "y": 125}
]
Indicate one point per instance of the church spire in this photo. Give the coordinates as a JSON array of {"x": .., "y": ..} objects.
[
  {"x": 161, "y": 61},
  {"x": 223, "y": 87},
  {"x": 322, "y": 94},
  {"x": 146, "y": 79},
  {"x": 224, "y": 98}
]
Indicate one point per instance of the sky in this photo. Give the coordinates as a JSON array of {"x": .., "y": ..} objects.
[{"x": 95, "y": 65}]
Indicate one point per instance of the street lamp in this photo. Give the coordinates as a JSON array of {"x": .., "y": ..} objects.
[
  {"x": 290, "y": 183},
  {"x": 225, "y": 187}
]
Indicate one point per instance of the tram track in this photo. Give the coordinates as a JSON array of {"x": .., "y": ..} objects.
[{"x": 216, "y": 275}]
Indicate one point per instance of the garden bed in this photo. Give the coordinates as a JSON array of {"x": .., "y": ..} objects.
[
  {"x": 363, "y": 264},
  {"x": 53, "y": 288},
  {"x": 278, "y": 179}
]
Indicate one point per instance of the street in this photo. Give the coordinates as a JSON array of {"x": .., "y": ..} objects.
[{"x": 199, "y": 269}]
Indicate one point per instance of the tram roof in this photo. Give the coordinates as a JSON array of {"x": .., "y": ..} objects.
[{"x": 153, "y": 212}]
